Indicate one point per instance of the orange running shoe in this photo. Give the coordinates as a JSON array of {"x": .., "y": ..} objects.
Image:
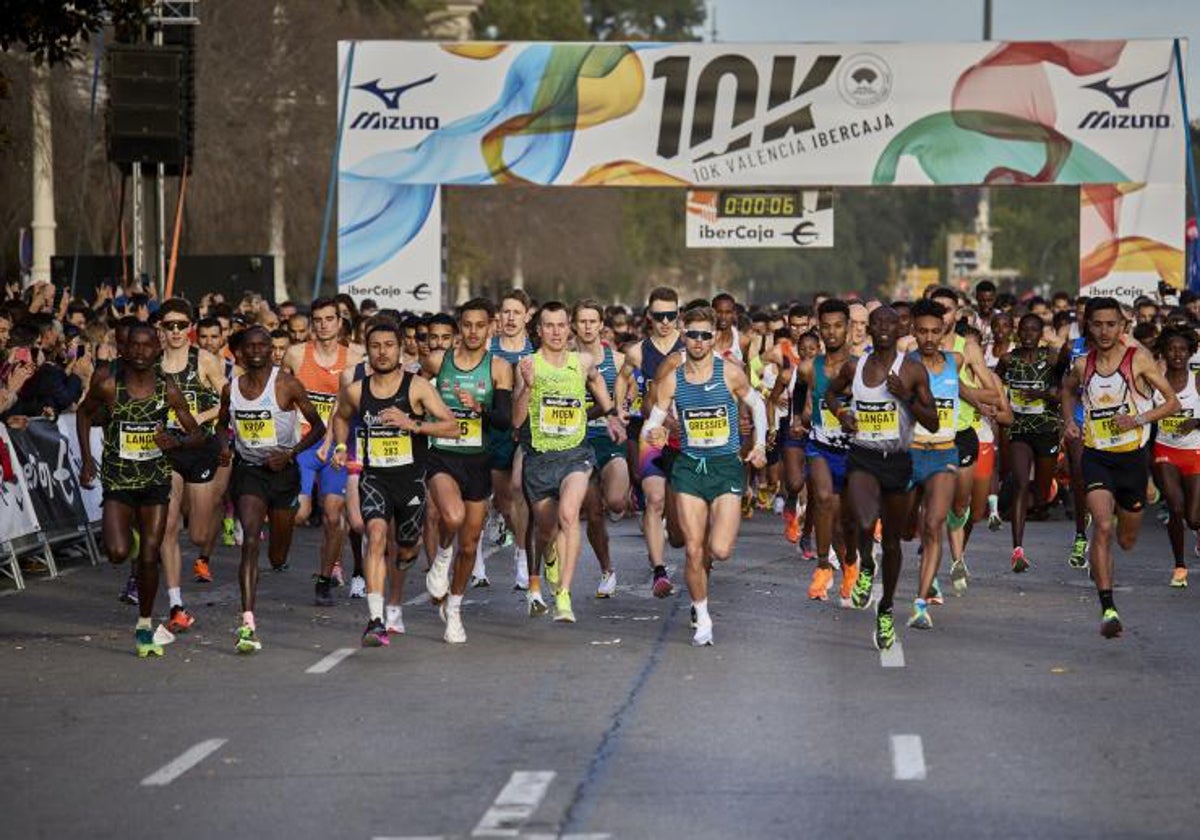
[
  {"x": 791, "y": 526},
  {"x": 200, "y": 571},
  {"x": 849, "y": 578},
  {"x": 180, "y": 620},
  {"x": 822, "y": 579}
]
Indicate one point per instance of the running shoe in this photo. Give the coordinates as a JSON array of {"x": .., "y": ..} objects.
[
  {"x": 282, "y": 567},
  {"x": 920, "y": 618},
  {"x": 552, "y": 569},
  {"x": 860, "y": 598},
  {"x": 608, "y": 584},
  {"x": 200, "y": 571},
  {"x": 143, "y": 640},
  {"x": 791, "y": 526},
  {"x": 779, "y": 505},
  {"x": 747, "y": 506},
  {"x": 455, "y": 633},
  {"x": 358, "y": 587},
  {"x": 480, "y": 582},
  {"x": 765, "y": 495},
  {"x": 375, "y": 635},
  {"x": 247, "y": 640},
  {"x": 437, "y": 579},
  {"x": 959, "y": 576},
  {"x": 163, "y": 636},
  {"x": 537, "y": 604},
  {"x": 885, "y": 631},
  {"x": 324, "y": 592},
  {"x": 934, "y": 596},
  {"x": 1110, "y": 624},
  {"x": 806, "y": 549},
  {"x": 849, "y": 577},
  {"x": 1163, "y": 515},
  {"x": 395, "y": 620},
  {"x": 994, "y": 521},
  {"x": 662, "y": 586},
  {"x": 227, "y": 531},
  {"x": 180, "y": 620},
  {"x": 130, "y": 593},
  {"x": 1078, "y": 557},
  {"x": 562, "y": 607},
  {"x": 822, "y": 580},
  {"x": 337, "y": 575},
  {"x": 702, "y": 635},
  {"x": 521, "y": 573},
  {"x": 694, "y": 619},
  {"x": 237, "y": 532},
  {"x": 1179, "y": 578},
  {"x": 1019, "y": 563}
]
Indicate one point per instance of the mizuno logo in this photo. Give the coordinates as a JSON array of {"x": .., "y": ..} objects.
[
  {"x": 1120, "y": 95},
  {"x": 391, "y": 96},
  {"x": 1112, "y": 119}
]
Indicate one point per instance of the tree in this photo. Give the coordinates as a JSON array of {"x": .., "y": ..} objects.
[
  {"x": 541, "y": 20},
  {"x": 55, "y": 32},
  {"x": 645, "y": 20}
]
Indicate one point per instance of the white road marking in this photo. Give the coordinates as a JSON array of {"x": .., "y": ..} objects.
[
  {"x": 893, "y": 657},
  {"x": 908, "y": 758},
  {"x": 417, "y": 837},
  {"x": 514, "y": 804},
  {"x": 565, "y": 836},
  {"x": 172, "y": 770},
  {"x": 417, "y": 599},
  {"x": 326, "y": 665}
]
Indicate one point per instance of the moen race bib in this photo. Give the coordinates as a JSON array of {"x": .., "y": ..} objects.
[
  {"x": 470, "y": 430},
  {"x": 388, "y": 447},
  {"x": 878, "y": 421},
  {"x": 193, "y": 408},
  {"x": 706, "y": 427},
  {"x": 1106, "y": 435},
  {"x": 137, "y": 441},
  {"x": 1024, "y": 403},
  {"x": 255, "y": 427},
  {"x": 560, "y": 416},
  {"x": 323, "y": 403}
]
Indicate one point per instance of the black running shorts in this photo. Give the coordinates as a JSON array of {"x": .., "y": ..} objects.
[
  {"x": 197, "y": 465},
  {"x": 893, "y": 470},
  {"x": 471, "y": 472},
  {"x": 397, "y": 495},
  {"x": 1124, "y": 474},
  {"x": 280, "y": 490}
]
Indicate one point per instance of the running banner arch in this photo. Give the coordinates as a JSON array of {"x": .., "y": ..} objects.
[{"x": 1105, "y": 116}]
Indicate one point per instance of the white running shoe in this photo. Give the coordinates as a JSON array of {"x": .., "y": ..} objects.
[
  {"x": 537, "y": 604},
  {"x": 703, "y": 635},
  {"x": 608, "y": 584},
  {"x": 237, "y": 532},
  {"x": 395, "y": 620},
  {"x": 455, "y": 633},
  {"x": 437, "y": 579},
  {"x": 358, "y": 587},
  {"x": 779, "y": 505},
  {"x": 521, "y": 578},
  {"x": 163, "y": 636}
]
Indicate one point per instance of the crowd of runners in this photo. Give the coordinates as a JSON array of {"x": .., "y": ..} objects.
[{"x": 862, "y": 424}]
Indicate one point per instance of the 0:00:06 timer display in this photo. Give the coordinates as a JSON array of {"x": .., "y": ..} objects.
[{"x": 759, "y": 205}]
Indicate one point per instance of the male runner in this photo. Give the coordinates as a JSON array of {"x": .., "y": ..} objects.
[
  {"x": 391, "y": 406},
  {"x": 477, "y": 387},
  {"x": 135, "y": 397},
  {"x": 550, "y": 408},
  {"x": 888, "y": 392},
  {"x": 1116, "y": 383},
  {"x": 708, "y": 471},
  {"x": 664, "y": 341},
  {"x": 263, "y": 404}
]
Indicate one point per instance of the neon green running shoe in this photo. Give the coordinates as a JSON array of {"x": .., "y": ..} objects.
[
  {"x": 860, "y": 598},
  {"x": 1110, "y": 624},
  {"x": 227, "y": 533},
  {"x": 562, "y": 607},
  {"x": 552, "y": 568},
  {"x": 1078, "y": 557},
  {"x": 143, "y": 638},
  {"x": 247, "y": 641},
  {"x": 885, "y": 631}
]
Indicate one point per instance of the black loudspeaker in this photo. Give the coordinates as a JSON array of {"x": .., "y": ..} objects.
[{"x": 147, "y": 107}]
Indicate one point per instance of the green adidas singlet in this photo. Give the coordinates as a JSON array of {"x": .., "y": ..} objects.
[
  {"x": 557, "y": 404},
  {"x": 478, "y": 383}
]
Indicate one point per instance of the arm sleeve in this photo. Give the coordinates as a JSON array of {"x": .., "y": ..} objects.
[
  {"x": 656, "y": 418},
  {"x": 758, "y": 409},
  {"x": 500, "y": 417}
]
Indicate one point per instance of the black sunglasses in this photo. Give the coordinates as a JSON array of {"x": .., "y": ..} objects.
[
  {"x": 699, "y": 335},
  {"x": 176, "y": 326},
  {"x": 669, "y": 315}
]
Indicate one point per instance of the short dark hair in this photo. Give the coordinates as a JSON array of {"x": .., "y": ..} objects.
[
  {"x": 663, "y": 293},
  {"x": 208, "y": 323},
  {"x": 1170, "y": 334},
  {"x": 699, "y": 313},
  {"x": 443, "y": 319},
  {"x": 323, "y": 303},
  {"x": 553, "y": 306},
  {"x": 799, "y": 310},
  {"x": 1100, "y": 304},
  {"x": 720, "y": 296},
  {"x": 383, "y": 326},
  {"x": 520, "y": 296},
  {"x": 927, "y": 308},
  {"x": 943, "y": 292},
  {"x": 587, "y": 303},
  {"x": 985, "y": 286},
  {"x": 834, "y": 306},
  {"x": 279, "y": 332},
  {"x": 177, "y": 305},
  {"x": 479, "y": 304}
]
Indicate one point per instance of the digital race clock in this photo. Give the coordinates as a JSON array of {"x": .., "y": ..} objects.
[{"x": 743, "y": 204}]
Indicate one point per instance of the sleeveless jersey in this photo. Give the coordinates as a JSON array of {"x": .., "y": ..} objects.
[
  {"x": 966, "y": 412},
  {"x": 1104, "y": 397},
  {"x": 557, "y": 414},
  {"x": 708, "y": 414},
  {"x": 944, "y": 386},
  {"x": 260, "y": 426},
  {"x": 199, "y": 396},
  {"x": 321, "y": 382},
  {"x": 1168, "y": 427},
  {"x": 1031, "y": 415},
  {"x": 478, "y": 382},
  {"x": 598, "y": 428},
  {"x": 1078, "y": 351},
  {"x": 383, "y": 447},
  {"x": 652, "y": 358},
  {"x": 130, "y": 459},
  {"x": 826, "y": 428},
  {"x": 885, "y": 424},
  {"x": 510, "y": 356},
  {"x": 633, "y": 400}
]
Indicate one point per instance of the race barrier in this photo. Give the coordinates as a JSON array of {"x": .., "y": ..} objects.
[{"x": 42, "y": 505}]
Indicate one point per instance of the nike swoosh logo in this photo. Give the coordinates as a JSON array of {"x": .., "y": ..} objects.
[{"x": 710, "y": 386}]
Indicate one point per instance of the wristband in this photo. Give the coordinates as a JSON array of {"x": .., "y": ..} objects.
[{"x": 341, "y": 447}]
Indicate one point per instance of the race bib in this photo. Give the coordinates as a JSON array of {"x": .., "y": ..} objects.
[
  {"x": 193, "y": 407},
  {"x": 877, "y": 420},
  {"x": 1169, "y": 427},
  {"x": 1105, "y": 434},
  {"x": 1024, "y": 403},
  {"x": 470, "y": 430},
  {"x": 829, "y": 421},
  {"x": 137, "y": 441},
  {"x": 706, "y": 427},
  {"x": 323, "y": 403},
  {"x": 388, "y": 447},
  {"x": 600, "y": 422},
  {"x": 945, "y": 412},
  {"x": 255, "y": 428},
  {"x": 560, "y": 416}
]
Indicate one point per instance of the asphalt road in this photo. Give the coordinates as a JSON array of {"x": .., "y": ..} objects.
[{"x": 1011, "y": 718}]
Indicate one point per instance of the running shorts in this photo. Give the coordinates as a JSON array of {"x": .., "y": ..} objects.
[
  {"x": 926, "y": 463},
  {"x": 323, "y": 474},
  {"x": 893, "y": 470},
  {"x": 197, "y": 465},
  {"x": 1121, "y": 473},
  {"x": 648, "y": 463},
  {"x": 136, "y": 497},
  {"x": 604, "y": 450},
  {"x": 835, "y": 458},
  {"x": 471, "y": 472},
  {"x": 542, "y": 473},
  {"x": 397, "y": 495},
  {"x": 502, "y": 449},
  {"x": 280, "y": 490},
  {"x": 708, "y": 478},
  {"x": 986, "y": 464},
  {"x": 967, "y": 442},
  {"x": 1043, "y": 446},
  {"x": 1187, "y": 461}
]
